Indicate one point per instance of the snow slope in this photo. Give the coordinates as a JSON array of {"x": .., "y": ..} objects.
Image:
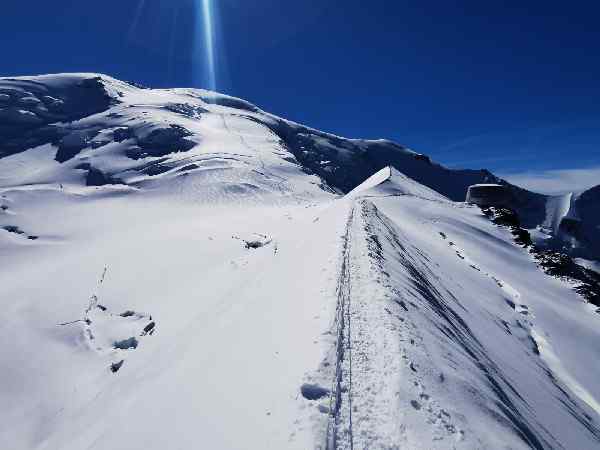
[
  {"x": 454, "y": 338},
  {"x": 104, "y": 131},
  {"x": 180, "y": 270}
]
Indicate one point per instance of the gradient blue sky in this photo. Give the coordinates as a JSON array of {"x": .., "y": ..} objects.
[{"x": 513, "y": 86}]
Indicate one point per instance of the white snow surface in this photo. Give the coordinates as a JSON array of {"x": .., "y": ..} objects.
[{"x": 253, "y": 309}]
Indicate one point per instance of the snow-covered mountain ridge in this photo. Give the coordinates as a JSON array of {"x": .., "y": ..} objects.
[
  {"x": 182, "y": 269},
  {"x": 104, "y": 131},
  {"x": 133, "y": 134}
]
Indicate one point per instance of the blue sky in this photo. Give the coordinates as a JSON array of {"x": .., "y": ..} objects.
[{"x": 513, "y": 86}]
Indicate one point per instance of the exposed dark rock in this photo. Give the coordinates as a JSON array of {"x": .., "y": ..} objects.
[
  {"x": 552, "y": 262},
  {"x": 522, "y": 237},
  {"x": 161, "y": 142},
  {"x": 188, "y": 167},
  {"x": 354, "y": 160},
  {"x": 571, "y": 226},
  {"x": 126, "y": 344},
  {"x": 502, "y": 216},
  {"x": 28, "y": 112},
  {"x": 186, "y": 109},
  {"x": 73, "y": 143},
  {"x": 96, "y": 177},
  {"x": 121, "y": 134},
  {"x": 156, "y": 169},
  {"x": 13, "y": 229},
  {"x": 114, "y": 367},
  {"x": 149, "y": 329}
]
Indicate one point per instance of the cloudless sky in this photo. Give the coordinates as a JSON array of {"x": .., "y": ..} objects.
[{"x": 513, "y": 86}]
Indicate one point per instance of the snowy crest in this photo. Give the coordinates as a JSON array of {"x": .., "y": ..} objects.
[{"x": 390, "y": 182}]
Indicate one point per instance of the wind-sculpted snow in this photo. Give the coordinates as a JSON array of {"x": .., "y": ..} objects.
[{"x": 389, "y": 182}]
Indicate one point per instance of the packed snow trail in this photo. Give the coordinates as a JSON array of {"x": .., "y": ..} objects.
[{"x": 340, "y": 427}]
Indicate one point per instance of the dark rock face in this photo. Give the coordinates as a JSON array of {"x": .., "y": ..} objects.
[
  {"x": 490, "y": 195},
  {"x": 508, "y": 218},
  {"x": 345, "y": 163},
  {"x": 552, "y": 262},
  {"x": 96, "y": 177},
  {"x": 502, "y": 216},
  {"x": 562, "y": 266},
  {"x": 588, "y": 208},
  {"x": 114, "y": 367},
  {"x": 163, "y": 141},
  {"x": 73, "y": 142},
  {"x": 28, "y": 110},
  {"x": 571, "y": 226}
]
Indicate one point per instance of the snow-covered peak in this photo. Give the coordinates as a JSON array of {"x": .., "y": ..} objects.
[
  {"x": 133, "y": 135},
  {"x": 390, "y": 182}
]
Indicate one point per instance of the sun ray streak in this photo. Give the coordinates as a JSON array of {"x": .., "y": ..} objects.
[
  {"x": 172, "y": 42},
  {"x": 136, "y": 19},
  {"x": 209, "y": 39}
]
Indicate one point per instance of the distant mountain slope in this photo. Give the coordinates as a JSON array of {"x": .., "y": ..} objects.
[
  {"x": 94, "y": 113},
  {"x": 105, "y": 131}
]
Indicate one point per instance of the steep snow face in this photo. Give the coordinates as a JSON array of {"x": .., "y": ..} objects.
[
  {"x": 179, "y": 272},
  {"x": 452, "y": 337}
]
